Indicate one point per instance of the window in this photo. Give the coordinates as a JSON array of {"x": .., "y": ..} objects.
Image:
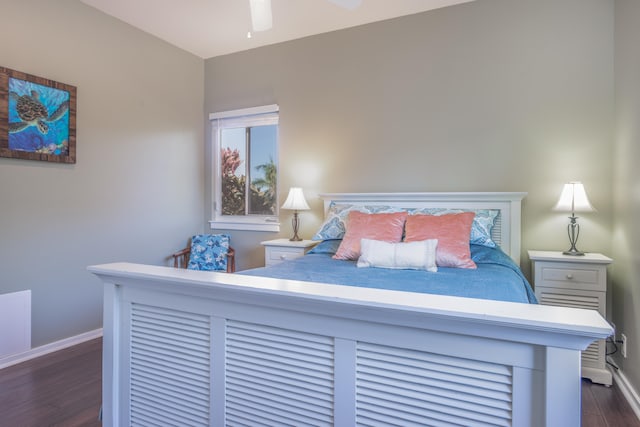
[{"x": 245, "y": 158}]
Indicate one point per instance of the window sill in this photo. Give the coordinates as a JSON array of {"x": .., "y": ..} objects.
[{"x": 245, "y": 226}]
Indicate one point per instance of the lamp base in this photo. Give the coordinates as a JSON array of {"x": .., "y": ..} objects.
[
  {"x": 573, "y": 230},
  {"x": 295, "y": 223},
  {"x": 573, "y": 252}
]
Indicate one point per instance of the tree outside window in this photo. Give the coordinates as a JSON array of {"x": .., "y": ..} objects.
[{"x": 260, "y": 143}]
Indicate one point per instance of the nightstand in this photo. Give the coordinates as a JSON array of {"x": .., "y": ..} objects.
[
  {"x": 278, "y": 250},
  {"x": 580, "y": 282}
]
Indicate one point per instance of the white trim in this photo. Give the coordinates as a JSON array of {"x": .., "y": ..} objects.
[
  {"x": 252, "y": 111},
  {"x": 245, "y": 225},
  {"x": 431, "y": 196},
  {"x": 43, "y": 350},
  {"x": 627, "y": 391}
]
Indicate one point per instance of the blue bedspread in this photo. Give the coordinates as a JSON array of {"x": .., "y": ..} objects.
[{"x": 497, "y": 276}]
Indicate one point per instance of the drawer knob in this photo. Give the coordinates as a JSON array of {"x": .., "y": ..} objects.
[
  {"x": 283, "y": 257},
  {"x": 569, "y": 276}
]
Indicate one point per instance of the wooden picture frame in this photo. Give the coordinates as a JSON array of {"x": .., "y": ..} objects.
[{"x": 37, "y": 118}]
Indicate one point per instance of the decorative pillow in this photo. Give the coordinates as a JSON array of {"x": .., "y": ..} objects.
[
  {"x": 326, "y": 247},
  {"x": 209, "y": 252},
  {"x": 482, "y": 225},
  {"x": 408, "y": 256},
  {"x": 334, "y": 224},
  {"x": 379, "y": 226},
  {"x": 452, "y": 232},
  {"x": 333, "y": 227}
]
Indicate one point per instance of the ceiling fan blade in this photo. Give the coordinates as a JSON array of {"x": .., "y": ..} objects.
[
  {"x": 347, "y": 4},
  {"x": 261, "y": 18}
]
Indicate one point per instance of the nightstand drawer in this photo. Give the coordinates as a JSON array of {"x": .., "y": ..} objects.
[
  {"x": 282, "y": 254},
  {"x": 278, "y": 250},
  {"x": 569, "y": 274},
  {"x": 591, "y": 277}
]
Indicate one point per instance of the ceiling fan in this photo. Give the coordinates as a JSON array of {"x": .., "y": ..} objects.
[{"x": 261, "y": 18}]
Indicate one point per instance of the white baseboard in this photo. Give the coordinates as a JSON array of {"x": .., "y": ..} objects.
[
  {"x": 49, "y": 348},
  {"x": 627, "y": 390}
]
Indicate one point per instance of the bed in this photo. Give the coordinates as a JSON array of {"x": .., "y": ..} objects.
[
  {"x": 200, "y": 348},
  {"x": 496, "y": 277}
]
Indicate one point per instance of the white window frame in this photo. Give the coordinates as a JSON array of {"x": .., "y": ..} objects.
[{"x": 246, "y": 117}]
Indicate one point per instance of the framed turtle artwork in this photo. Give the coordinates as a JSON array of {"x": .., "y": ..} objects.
[{"x": 37, "y": 118}]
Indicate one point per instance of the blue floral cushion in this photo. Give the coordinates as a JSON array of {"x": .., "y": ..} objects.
[{"x": 209, "y": 252}]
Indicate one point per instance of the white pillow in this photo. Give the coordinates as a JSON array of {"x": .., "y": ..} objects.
[{"x": 419, "y": 255}]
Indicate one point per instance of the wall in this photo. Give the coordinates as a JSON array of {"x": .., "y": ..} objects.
[
  {"x": 135, "y": 193},
  {"x": 493, "y": 95},
  {"x": 626, "y": 186}
]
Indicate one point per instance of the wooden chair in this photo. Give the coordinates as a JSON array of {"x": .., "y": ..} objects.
[{"x": 181, "y": 259}]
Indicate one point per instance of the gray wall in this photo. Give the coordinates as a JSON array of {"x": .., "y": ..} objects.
[
  {"x": 135, "y": 193},
  {"x": 493, "y": 95},
  {"x": 626, "y": 186}
]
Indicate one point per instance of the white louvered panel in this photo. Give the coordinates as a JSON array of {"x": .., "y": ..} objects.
[
  {"x": 496, "y": 231},
  {"x": 170, "y": 367},
  {"x": 569, "y": 300},
  {"x": 592, "y": 353},
  {"x": 278, "y": 377},
  {"x": 399, "y": 387}
]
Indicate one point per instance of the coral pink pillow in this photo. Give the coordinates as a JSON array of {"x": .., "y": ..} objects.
[
  {"x": 381, "y": 226},
  {"x": 453, "y": 232}
]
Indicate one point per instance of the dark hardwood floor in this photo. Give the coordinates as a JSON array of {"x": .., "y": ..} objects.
[
  {"x": 60, "y": 389},
  {"x": 605, "y": 407},
  {"x": 64, "y": 389}
]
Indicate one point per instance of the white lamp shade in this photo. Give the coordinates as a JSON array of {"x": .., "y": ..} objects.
[
  {"x": 295, "y": 200},
  {"x": 261, "y": 19},
  {"x": 574, "y": 199}
]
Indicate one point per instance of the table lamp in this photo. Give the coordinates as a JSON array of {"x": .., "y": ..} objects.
[
  {"x": 295, "y": 202},
  {"x": 573, "y": 199}
]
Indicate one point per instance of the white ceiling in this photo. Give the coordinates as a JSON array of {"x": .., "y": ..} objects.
[{"x": 209, "y": 28}]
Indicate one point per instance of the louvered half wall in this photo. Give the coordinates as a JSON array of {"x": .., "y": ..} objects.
[
  {"x": 400, "y": 387},
  {"x": 189, "y": 348},
  {"x": 278, "y": 377},
  {"x": 170, "y": 367}
]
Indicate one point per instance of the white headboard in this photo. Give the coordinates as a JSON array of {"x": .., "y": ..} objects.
[{"x": 506, "y": 233}]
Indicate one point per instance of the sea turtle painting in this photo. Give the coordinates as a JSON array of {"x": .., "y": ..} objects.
[
  {"x": 39, "y": 117},
  {"x": 32, "y": 112}
]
